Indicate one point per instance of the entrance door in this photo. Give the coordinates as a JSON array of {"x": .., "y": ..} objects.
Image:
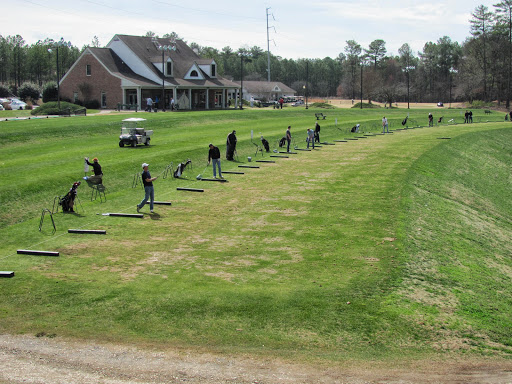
[
  {"x": 218, "y": 99},
  {"x": 132, "y": 98}
]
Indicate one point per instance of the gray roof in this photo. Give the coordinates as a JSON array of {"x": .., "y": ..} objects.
[
  {"x": 146, "y": 48},
  {"x": 117, "y": 67},
  {"x": 266, "y": 87}
]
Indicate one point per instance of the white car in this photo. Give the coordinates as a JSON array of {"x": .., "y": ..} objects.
[
  {"x": 1, "y": 107},
  {"x": 18, "y": 104}
]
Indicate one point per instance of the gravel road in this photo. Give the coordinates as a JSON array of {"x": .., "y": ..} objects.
[{"x": 30, "y": 359}]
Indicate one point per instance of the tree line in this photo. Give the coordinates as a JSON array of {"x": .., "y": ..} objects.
[{"x": 478, "y": 69}]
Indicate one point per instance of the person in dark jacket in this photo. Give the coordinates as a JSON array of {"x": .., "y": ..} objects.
[
  {"x": 214, "y": 155},
  {"x": 98, "y": 173},
  {"x": 149, "y": 191},
  {"x": 231, "y": 145},
  {"x": 317, "y": 132},
  {"x": 288, "y": 138}
]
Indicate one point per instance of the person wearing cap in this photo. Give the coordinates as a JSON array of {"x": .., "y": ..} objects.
[
  {"x": 149, "y": 192},
  {"x": 98, "y": 174},
  {"x": 311, "y": 137},
  {"x": 385, "y": 126},
  {"x": 214, "y": 155}
]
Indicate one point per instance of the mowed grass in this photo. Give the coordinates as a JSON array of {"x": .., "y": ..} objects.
[{"x": 386, "y": 247}]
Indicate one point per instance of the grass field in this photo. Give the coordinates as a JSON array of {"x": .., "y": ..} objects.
[{"x": 387, "y": 247}]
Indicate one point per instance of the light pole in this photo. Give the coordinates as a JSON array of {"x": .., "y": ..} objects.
[
  {"x": 56, "y": 45},
  {"x": 452, "y": 71},
  {"x": 164, "y": 48},
  {"x": 407, "y": 70},
  {"x": 362, "y": 65},
  {"x": 307, "y": 79}
]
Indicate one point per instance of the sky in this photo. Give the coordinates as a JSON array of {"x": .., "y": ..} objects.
[{"x": 312, "y": 29}]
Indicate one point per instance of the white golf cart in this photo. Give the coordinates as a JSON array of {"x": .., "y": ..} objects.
[{"x": 133, "y": 133}]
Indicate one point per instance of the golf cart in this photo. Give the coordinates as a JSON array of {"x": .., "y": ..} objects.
[{"x": 132, "y": 133}]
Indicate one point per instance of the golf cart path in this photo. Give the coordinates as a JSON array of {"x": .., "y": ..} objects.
[{"x": 30, "y": 359}]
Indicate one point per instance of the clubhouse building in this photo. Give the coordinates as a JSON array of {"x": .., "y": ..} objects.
[{"x": 131, "y": 69}]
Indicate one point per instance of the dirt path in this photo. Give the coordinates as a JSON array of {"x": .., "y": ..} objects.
[{"x": 25, "y": 359}]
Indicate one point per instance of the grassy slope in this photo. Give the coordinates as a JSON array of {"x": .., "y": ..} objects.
[
  {"x": 269, "y": 261},
  {"x": 458, "y": 232}
]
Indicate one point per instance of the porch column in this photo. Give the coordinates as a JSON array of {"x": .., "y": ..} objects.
[
  {"x": 190, "y": 98},
  {"x": 139, "y": 98},
  {"x": 207, "y": 104}
]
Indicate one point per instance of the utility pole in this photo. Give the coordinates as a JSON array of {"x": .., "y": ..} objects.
[{"x": 268, "y": 45}]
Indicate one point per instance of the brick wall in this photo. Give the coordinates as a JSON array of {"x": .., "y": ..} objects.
[{"x": 100, "y": 80}]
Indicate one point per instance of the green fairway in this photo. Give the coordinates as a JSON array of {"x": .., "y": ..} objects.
[{"x": 385, "y": 247}]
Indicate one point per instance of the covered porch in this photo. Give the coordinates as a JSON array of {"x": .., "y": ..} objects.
[{"x": 185, "y": 98}]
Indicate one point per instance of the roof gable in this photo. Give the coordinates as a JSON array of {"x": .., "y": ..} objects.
[{"x": 195, "y": 73}]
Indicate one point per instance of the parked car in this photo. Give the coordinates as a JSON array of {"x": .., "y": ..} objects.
[
  {"x": 440, "y": 104},
  {"x": 18, "y": 104},
  {"x": 1, "y": 107},
  {"x": 297, "y": 103}
]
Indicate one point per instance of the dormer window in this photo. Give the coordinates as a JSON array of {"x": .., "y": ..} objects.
[
  {"x": 213, "y": 70},
  {"x": 168, "y": 68},
  {"x": 194, "y": 73}
]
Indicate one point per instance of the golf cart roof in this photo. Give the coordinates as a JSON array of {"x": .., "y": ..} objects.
[{"x": 135, "y": 119}]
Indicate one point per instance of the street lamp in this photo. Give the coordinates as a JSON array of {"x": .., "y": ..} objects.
[
  {"x": 165, "y": 48},
  {"x": 452, "y": 71},
  {"x": 307, "y": 79},
  {"x": 363, "y": 60},
  {"x": 56, "y": 45},
  {"x": 407, "y": 70}
]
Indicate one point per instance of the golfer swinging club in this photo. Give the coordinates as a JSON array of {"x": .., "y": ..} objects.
[{"x": 148, "y": 188}]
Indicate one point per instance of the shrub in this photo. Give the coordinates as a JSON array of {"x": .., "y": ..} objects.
[
  {"x": 366, "y": 105},
  {"x": 28, "y": 91},
  {"x": 52, "y": 108},
  {"x": 481, "y": 104},
  {"x": 322, "y": 105},
  {"x": 92, "y": 104},
  {"x": 50, "y": 92},
  {"x": 4, "y": 91},
  {"x": 13, "y": 89}
]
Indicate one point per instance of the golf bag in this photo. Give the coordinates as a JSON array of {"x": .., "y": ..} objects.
[
  {"x": 355, "y": 128},
  {"x": 282, "y": 142},
  {"x": 265, "y": 144},
  {"x": 440, "y": 119},
  {"x": 180, "y": 168},
  {"x": 404, "y": 121},
  {"x": 68, "y": 200}
]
